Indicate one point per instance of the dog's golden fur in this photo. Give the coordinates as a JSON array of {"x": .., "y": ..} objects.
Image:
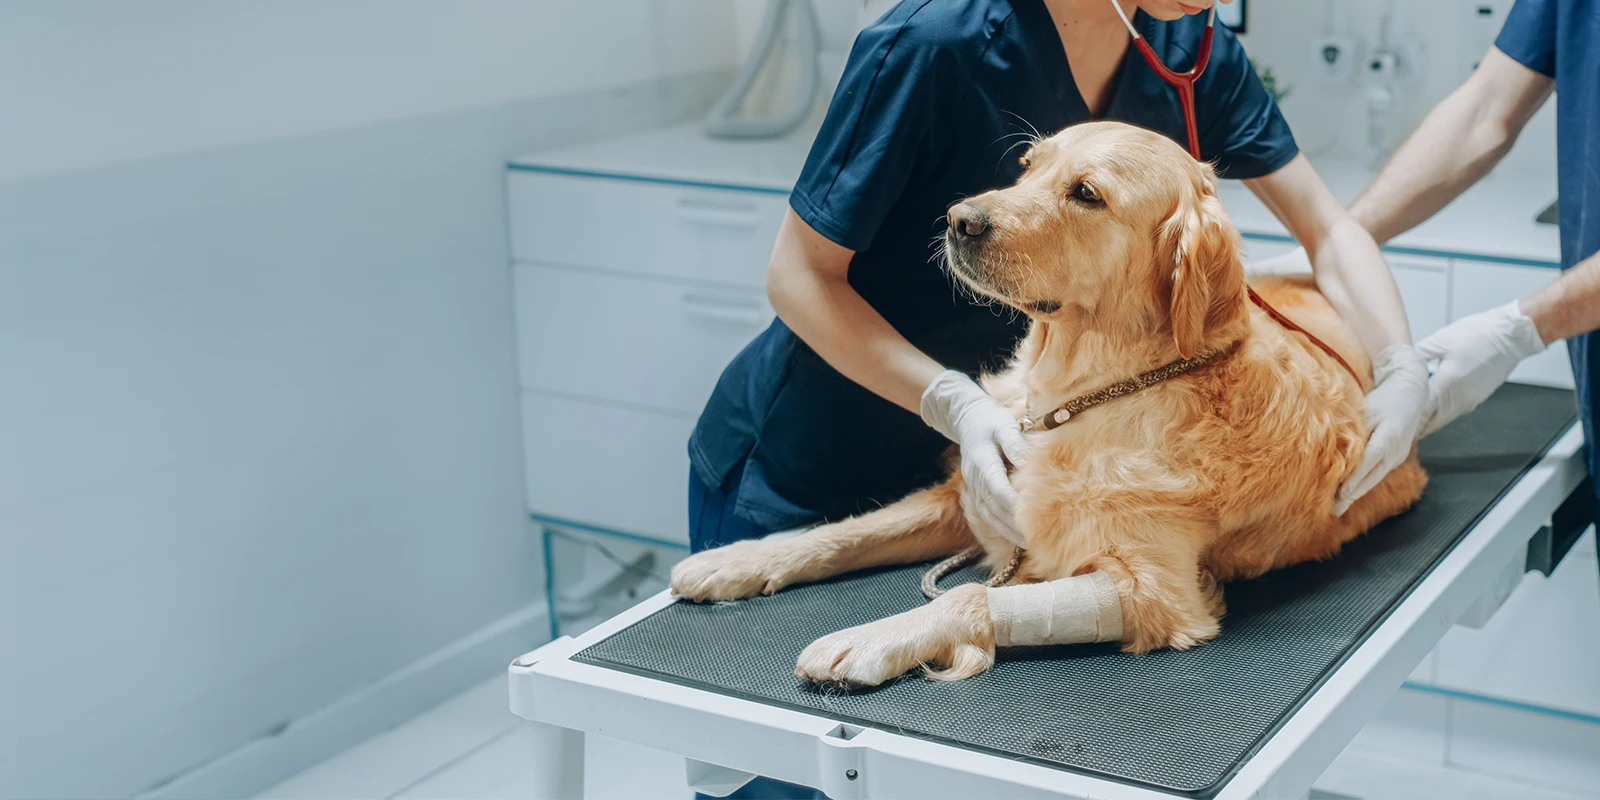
[{"x": 1222, "y": 473}]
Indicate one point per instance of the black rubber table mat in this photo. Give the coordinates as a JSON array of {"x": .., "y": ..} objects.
[{"x": 1180, "y": 721}]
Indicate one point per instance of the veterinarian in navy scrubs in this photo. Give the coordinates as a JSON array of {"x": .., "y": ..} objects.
[{"x": 822, "y": 416}]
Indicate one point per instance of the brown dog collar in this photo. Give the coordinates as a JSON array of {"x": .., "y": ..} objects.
[{"x": 1082, "y": 403}]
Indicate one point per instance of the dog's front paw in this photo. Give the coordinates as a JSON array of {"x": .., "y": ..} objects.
[
  {"x": 951, "y": 637},
  {"x": 871, "y": 654},
  {"x": 865, "y": 655},
  {"x": 732, "y": 572}
]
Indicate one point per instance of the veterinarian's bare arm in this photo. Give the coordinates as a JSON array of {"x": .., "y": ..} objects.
[
  {"x": 1456, "y": 144},
  {"x": 808, "y": 285},
  {"x": 1570, "y": 306},
  {"x": 1349, "y": 269}
]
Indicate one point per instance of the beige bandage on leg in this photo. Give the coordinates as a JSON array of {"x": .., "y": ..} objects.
[{"x": 1073, "y": 610}]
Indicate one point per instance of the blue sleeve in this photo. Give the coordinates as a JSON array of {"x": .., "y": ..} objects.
[
  {"x": 1529, "y": 35},
  {"x": 1241, "y": 129},
  {"x": 884, "y": 124}
]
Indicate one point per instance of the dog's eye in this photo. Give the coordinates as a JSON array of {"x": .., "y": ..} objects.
[{"x": 1086, "y": 193}]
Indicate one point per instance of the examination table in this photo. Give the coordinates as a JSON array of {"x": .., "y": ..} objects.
[{"x": 1306, "y": 656}]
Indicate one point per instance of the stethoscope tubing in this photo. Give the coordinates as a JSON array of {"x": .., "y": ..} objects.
[{"x": 1182, "y": 81}]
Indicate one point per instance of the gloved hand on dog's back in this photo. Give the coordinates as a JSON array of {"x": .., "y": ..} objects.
[
  {"x": 1395, "y": 409},
  {"x": 956, "y": 406},
  {"x": 1396, "y": 406}
]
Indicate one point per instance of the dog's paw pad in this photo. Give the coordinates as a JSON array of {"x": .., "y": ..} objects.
[
  {"x": 846, "y": 658},
  {"x": 735, "y": 572}
]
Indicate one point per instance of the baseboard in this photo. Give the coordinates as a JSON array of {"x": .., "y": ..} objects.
[{"x": 395, "y": 698}]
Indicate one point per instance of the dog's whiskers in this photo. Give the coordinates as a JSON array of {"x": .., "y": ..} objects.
[
  {"x": 1037, "y": 137},
  {"x": 1004, "y": 136},
  {"x": 1028, "y": 142}
]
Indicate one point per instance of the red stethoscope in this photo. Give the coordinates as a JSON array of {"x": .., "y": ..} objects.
[{"x": 1182, "y": 81}]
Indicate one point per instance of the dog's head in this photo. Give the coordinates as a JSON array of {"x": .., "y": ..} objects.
[{"x": 1113, "y": 225}]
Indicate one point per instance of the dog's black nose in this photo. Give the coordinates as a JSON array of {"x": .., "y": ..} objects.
[{"x": 968, "y": 221}]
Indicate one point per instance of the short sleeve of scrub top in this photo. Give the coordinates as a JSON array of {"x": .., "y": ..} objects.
[
  {"x": 1529, "y": 35},
  {"x": 1242, "y": 132},
  {"x": 885, "y": 123}
]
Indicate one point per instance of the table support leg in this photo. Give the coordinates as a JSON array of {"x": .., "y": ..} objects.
[
  {"x": 714, "y": 780},
  {"x": 550, "y": 584},
  {"x": 557, "y": 762}
]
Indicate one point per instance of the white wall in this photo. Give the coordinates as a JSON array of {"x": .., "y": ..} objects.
[
  {"x": 1332, "y": 120},
  {"x": 97, "y": 82},
  {"x": 258, "y": 424}
]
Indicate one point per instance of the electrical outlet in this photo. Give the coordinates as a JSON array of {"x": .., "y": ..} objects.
[{"x": 1333, "y": 58}]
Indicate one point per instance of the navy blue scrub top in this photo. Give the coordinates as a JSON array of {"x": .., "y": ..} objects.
[
  {"x": 1561, "y": 39},
  {"x": 933, "y": 102}
]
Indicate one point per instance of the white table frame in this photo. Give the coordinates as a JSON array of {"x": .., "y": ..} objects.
[{"x": 727, "y": 740}]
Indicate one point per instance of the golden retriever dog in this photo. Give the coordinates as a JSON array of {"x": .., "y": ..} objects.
[{"x": 1115, "y": 245}]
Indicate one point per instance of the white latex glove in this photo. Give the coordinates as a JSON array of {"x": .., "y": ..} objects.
[
  {"x": 1395, "y": 408},
  {"x": 1293, "y": 262},
  {"x": 954, "y": 405},
  {"x": 1476, "y": 354}
]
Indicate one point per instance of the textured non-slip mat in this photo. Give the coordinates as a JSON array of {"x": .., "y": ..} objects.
[{"x": 1180, "y": 721}]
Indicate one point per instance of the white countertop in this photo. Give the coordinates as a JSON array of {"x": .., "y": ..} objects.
[
  {"x": 1493, "y": 220},
  {"x": 684, "y": 154}
]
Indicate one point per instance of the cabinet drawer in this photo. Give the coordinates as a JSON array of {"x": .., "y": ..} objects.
[
  {"x": 721, "y": 235},
  {"x": 1425, "y": 289},
  {"x": 1479, "y": 287},
  {"x": 637, "y": 341},
  {"x": 617, "y": 468}
]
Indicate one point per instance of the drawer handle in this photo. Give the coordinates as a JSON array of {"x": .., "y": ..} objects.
[
  {"x": 722, "y": 215},
  {"x": 749, "y": 314}
]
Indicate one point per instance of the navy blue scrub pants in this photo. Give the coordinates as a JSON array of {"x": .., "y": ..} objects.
[{"x": 713, "y": 524}]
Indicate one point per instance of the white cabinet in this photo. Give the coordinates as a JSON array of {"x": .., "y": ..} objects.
[
  {"x": 1479, "y": 286},
  {"x": 632, "y": 294},
  {"x": 617, "y": 468},
  {"x": 633, "y": 341},
  {"x": 1424, "y": 282},
  {"x": 1424, "y": 285},
  {"x": 644, "y": 227}
]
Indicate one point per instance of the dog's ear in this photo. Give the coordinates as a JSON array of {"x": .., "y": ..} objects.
[{"x": 1203, "y": 251}]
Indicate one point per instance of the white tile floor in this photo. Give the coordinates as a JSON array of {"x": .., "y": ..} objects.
[{"x": 471, "y": 747}]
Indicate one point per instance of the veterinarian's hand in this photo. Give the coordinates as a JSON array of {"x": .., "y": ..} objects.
[
  {"x": 1395, "y": 407},
  {"x": 1476, "y": 354},
  {"x": 1294, "y": 262},
  {"x": 957, "y": 407}
]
